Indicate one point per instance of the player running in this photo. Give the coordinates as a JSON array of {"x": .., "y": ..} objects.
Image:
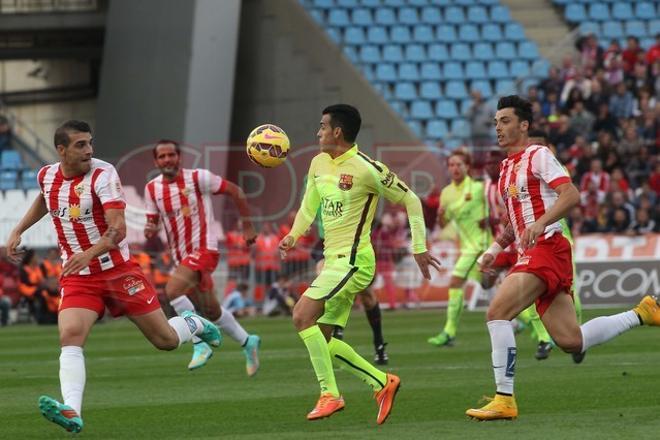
[
  {"x": 84, "y": 198},
  {"x": 463, "y": 204},
  {"x": 538, "y": 192},
  {"x": 182, "y": 198},
  {"x": 347, "y": 185}
]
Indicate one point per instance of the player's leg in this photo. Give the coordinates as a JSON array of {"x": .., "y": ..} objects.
[
  {"x": 516, "y": 293},
  {"x": 169, "y": 334},
  {"x": 454, "y": 311},
  {"x": 372, "y": 310},
  {"x": 74, "y": 325},
  {"x": 539, "y": 332},
  {"x": 182, "y": 280}
]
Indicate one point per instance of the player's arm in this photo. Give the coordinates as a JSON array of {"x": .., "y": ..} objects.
[
  {"x": 115, "y": 233},
  {"x": 304, "y": 217},
  {"x": 33, "y": 215},
  {"x": 501, "y": 242},
  {"x": 153, "y": 217},
  {"x": 238, "y": 197}
]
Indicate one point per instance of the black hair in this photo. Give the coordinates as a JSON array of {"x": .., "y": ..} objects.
[
  {"x": 538, "y": 133},
  {"x": 62, "y": 133},
  {"x": 27, "y": 257},
  {"x": 345, "y": 117},
  {"x": 177, "y": 147},
  {"x": 521, "y": 107}
]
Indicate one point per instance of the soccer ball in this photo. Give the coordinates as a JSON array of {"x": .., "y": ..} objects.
[{"x": 267, "y": 146}]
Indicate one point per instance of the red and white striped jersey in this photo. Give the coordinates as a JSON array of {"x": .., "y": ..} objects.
[
  {"x": 76, "y": 206},
  {"x": 496, "y": 208},
  {"x": 185, "y": 207},
  {"x": 527, "y": 184}
]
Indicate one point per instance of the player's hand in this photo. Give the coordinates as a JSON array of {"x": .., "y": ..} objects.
[
  {"x": 14, "y": 253},
  {"x": 424, "y": 260},
  {"x": 249, "y": 234},
  {"x": 531, "y": 234},
  {"x": 484, "y": 223},
  {"x": 441, "y": 215},
  {"x": 76, "y": 263},
  {"x": 286, "y": 245},
  {"x": 485, "y": 262},
  {"x": 150, "y": 229}
]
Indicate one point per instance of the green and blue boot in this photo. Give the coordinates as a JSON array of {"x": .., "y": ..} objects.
[{"x": 61, "y": 414}]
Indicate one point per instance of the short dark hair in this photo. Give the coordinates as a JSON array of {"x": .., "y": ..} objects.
[
  {"x": 62, "y": 133},
  {"x": 538, "y": 133},
  {"x": 521, "y": 107},
  {"x": 177, "y": 147},
  {"x": 242, "y": 287},
  {"x": 345, "y": 117}
]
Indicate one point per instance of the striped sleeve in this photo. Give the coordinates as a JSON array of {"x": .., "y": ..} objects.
[
  {"x": 546, "y": 167},
  {"x": 108, "y": 189}
]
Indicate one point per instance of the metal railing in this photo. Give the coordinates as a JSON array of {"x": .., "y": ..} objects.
[{"x": 41, "y": 150}]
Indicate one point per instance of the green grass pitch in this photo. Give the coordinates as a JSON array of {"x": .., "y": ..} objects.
[{"x": 134, "y": 391}]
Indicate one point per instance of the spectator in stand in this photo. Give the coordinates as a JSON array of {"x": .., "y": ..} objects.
[
  {"x": 238, "y": 303},
  {"x": 605, "y": 120},
  {"x": 654, "y": 179},
  {"x": 585, "y": 155},
  {"x": 639, "y": 79},
  {"x": 614, "y": 73},
  {"x": 618, "y": 182},
  {"x": 481, "y": 117},
  {"x": 621, "y": 102},
  {"x": 573, "y": 97},
  {"x": 644, "y": 102},
  {"x": 618, "y": 201},
  {"x": 562, "y": 137},
  {"x": 631, "y": 55},
  {"x": 591, "y": 54},
  {"x": 279, "y": 299},
  {"x": 296, "y": 262},
  {"x": 579, "y": 82},
  {"x": 238, "y": 254},
  {"x": 639, "y": 167},
  {"x": 598, "y": 177},
  {"x": 581, "y": 119},
  {"x": 653, "y": 54},
  {"x": 645, "y": 192},
  {"x": 568, "y": 69},
  {"x": 5, "y": 133},
  {"x": 579, "y": 224},
  {"x": 42, "y": 302},
  {"x": 553, "y": 83},
  {"x": 649, "y": 129},
  {"x": 550, "y": 106},
  {"x": 631, "y": 144},
  {"x": 643, "y": 223},
  {"x": 267, "y": 255},
  {"x": 597, "y": 97},
  {"x": 618, "y": 221}
]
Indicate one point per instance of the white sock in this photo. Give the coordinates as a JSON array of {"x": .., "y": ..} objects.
[
  {"x": 504, "y": 354},
  {"x": 182, "y": 304},
  {"x": 72, "y": 376},
  {"x": 186, "y": 328},
  {"x": 604, "y": 328},
  {"x": 229, "y": 325}
]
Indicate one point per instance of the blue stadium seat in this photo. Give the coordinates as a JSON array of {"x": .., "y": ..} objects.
[
  {"x": 431, "y": 71},
  {"x": 423, "y": 33},
  {"x": 489, "y": 2},
  {"x": 354, "y": 35},
  {"x": 408, "y": 16},
  {"x": 386, "y": 73},
  {"x": 385, "y": 16},
  {"x": 338, "y": 18},
  {"x": 541, "y": 68},
  {"x": 465, "y": 2},
  {"x": 446, "y": 33},
  {"x": 400, "y": 34},
  {"x": 505, "y": 87},
  {"x": 483, "y": 86},
  {"x": 599, "y": 12},
  {"x": 348, "y": 4},
  {"x": 416, "y": 127},
  {"x": 396, "y": 3},
  {"x": 421, "y": 3},
  {"x": 11, "y": 160},
  {"x": 636, "y": 28},
  {"x": 421, "y": 110},
  {"x": 29, "y": 179},
  {"x": 519, "y": 68},
  {"x": 469, "y": 33},
  {"x": 505, "y": 51},
  {"x": 460, "y": 52},
  {"x": 589, "y": 27},
  {"x": 318, "y": 15},
  {"x": 368, "y": 71},
  {"x": 491, "y": 32},
  {"x": 498, "y": 69},
  {"x": 654, "y": 27},
  {"x": 436, "y": 129},
  {"x": 622, "y": 11},
  {"x": 500, "y": 14},
  {"x": 612, "y": 30},
  {"x": 483, "y": 51},
  {"x": 475, "y": 70},
  {"x": 362, "y": 17},
  {"x": 430, "y": 90},
  {"x": 323, "y": 4},
  {"x": 8, "y": 179},
  {"x": 645, "y": 11},
  {"x": 646, "y": 43},
  {"x": 575, "y": 13},
  {"x": 529, "y": 82},
  {"x": 452, "y": 143},
  {"x": 415, "y": 53},
  {"x": 399, "y": 107},
  {"x": 334, "y": 34},
  {"x": 528, "y": 50},
  {"x": 460, "y": 128},
  {"x": 464, "y": 105},
  {"x": 477, "y": 14},
  {"x": 455, "y": 89},
  {"x": 392, "y": 53},
  {"x": 371, "y": 3},
  {"x": 370, "y": 54},
  {"x": 453, "y": 70},
  {"x": 454, "y": 15},
  {"x": 377, "y": 35},
  {"x": 408, "y": 72},
  {"x": 351, "y": 53},
  {"x": 438, "y": 52},
  {"x": 431, "y": 15},
  {"x": 514, "y": 32},
  {"x": 446, "y": 109},
  {"x": 405, "y": 91}
]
